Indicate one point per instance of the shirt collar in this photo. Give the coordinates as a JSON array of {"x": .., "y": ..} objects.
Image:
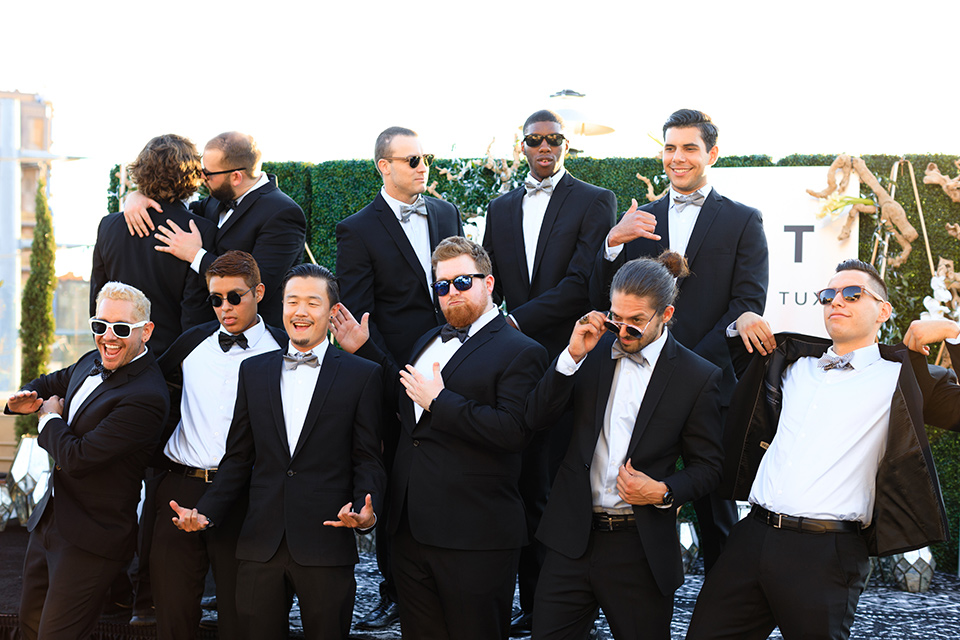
[
  {"x": 555, "y": 177},
  {"x": 653, "y": 350},
  {"x": 262, "y": 181},
  {"x": 393, "y": 203},
  {"x": 705, "y": 190},
  {"x": 320, "y": 350},
  {"x": 862, "y": 357},
  {"x": 253, "y": 334},
  {"x": 483, "y": 321}
]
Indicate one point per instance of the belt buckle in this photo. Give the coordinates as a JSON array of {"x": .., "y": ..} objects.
[
  {"x": 606, "y": 522},
  {"x": 779, "y": 521},
  {"x": 206, "y": 475}
]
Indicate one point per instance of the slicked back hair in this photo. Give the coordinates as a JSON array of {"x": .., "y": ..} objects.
[
  {"x": 652, "y": 278},
  {"x": 235, "y": 264},
  {"x": 456, "y": 246},
  {"x": 853, "y": 264},
  {"x": 310, "y": 270},
  {"x": 694, "y": 118}
]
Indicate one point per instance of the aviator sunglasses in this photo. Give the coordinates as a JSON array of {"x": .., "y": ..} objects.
[
  {"x": 536, "y": 139},
  {"x": 850, "y": 294},
  {"x": 614, "y": 326},
  {"x": 120, "y": 329},
  {"x": 233, "y": 298},
  {"x": 462, "y": 283},
  {"x": 414, "y": 161}
]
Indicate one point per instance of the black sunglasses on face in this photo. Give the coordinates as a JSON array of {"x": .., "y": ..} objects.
[
  {"x": 850, "y": 294},
  {"x": 614, "y": 326},
  {"x": 207, "y": 174},
  {"x": 462, "y": 283},
  {"x": 414, "y": 161},
  {"x": 536, "y": 139},
  {"x": 233, "y": 298},
  {"x": 120, "y": 329}
]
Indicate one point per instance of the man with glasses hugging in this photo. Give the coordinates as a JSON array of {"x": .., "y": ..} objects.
[
  {"x": 825, "y": 438},
  {"x": 456, "y": 515},
  {"x": 202, "y": 370},
  {"x": 640, "y": 401},
  {"x": 100, "y": 421}
]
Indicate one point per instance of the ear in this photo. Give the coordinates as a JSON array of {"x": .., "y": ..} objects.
[
  {"x": 147, "y": 332},
  {"x": 668, "y": 311},
  {"x": 713, "y": 155},
  {"x": 886, "y": 310},
  {"x": 259, "y": 292},
  {"x": 488, "y": 281},
  {"x": 383, "y": 166}
]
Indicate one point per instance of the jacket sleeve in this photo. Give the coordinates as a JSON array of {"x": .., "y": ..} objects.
[
  {"x": 369, "y": 476},
  {"x": 941, "y": 393}
]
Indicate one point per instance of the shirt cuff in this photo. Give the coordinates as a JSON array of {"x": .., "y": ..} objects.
[
  {"x": 197, "y": 259},
  {"x": 954, "y": 340},
  {"x": 47, "y": 418},
  {"x": 611, "y": 253},
  {"x": 371, "y": 527},
  {"x": 732, "y": 330},
  {"x": 566, "y": 365}
]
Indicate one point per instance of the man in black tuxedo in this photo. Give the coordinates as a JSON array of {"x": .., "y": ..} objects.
[
  {"x": 826, "y": 440},
  {"x": 726, "y": 250},
  {"x": 305, "y": 437},
  {"x": 383, "y": 265},
  {"x": 202, "y": 369},
  {"x": 640, "y": 401},
  {"x": 542, "y": 238},
  {"x": 100, "y": 421},
  {"x": 456, "y": 514},
  {"x": 250, "y": 211},
  {"x": 168, "y": 170}
]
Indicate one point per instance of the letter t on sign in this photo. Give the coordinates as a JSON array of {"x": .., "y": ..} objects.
[{"x": 798, "y": 230}]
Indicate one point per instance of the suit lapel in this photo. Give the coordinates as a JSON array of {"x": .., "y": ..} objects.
[
  {"x": 560, "y": 193},
  {"x": 273, "y": 371},
  {"x": 80, "y": 373},
  {"x": 248, "y": 201},
  {"x": 514, "y": 232},
  {"x": 392, "y": 226},
  {"x": 328, "y": 374},
  {"x": 472, "y": 344},
  {"x": 661, "y": 209},
  {"x": 666, "y": 363},
  {"x": 708, "y": 213},
  {"x": 405, "y": 404},
  {"x": 604, "y": 386}
]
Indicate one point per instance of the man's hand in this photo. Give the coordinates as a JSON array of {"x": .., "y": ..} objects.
[
  {"x": 634, "y": 224},
  {"x": 925, "y": 332},
  {"x": 347, "y": 518},
  {"x": 756, "y": 332},
  {"x": 53, "y": 404},
  {"x": 349, "y": 333},
  {"x": 586, "y": 333},
  {"x": 24, "y": 402},
  {"x": 421, "y": 390},
  {"x": 188, "y": 519},
  {"x": 135, "y": 214},
  {"x": 637, "y": 488},
  {"x": 182, "y": 244}
]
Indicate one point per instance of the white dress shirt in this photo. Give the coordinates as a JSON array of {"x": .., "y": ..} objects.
[
  {"x": 296, "y": 392},
  {"x": 534, "y": 208},
  {"x": 630, "y": 382},
  {"x": 417, "y": 230},
  {"x": 439, "y": 351},
  {"x": 224, "y": 216},
  {"x": 210, "y": 378},
  {"x": 679, "y": 223}
]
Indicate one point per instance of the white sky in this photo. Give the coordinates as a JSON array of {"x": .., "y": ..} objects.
[{"x": 317, "y": 82}]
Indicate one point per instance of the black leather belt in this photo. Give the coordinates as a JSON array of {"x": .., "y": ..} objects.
[
  {"x": 803, "y": 525},
  {"x": 191, "y": 472},
  {"x": 613, "y": 522}
]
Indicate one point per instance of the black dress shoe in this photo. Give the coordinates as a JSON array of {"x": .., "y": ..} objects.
[
  {"x": 383, "y": 615},
  {"x": 521, "y": 624},
  {"x": 143, "y": 618}
]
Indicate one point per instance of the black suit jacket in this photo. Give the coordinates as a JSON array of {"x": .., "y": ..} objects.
[
  {"x": 575, "y": 223},
  {"x": 101, "y": 457},
  {"x": 336, "y": 460},
  {"x": 379, "y": 273},
  {"x": 457, "y": 468},
  {"x": 178, "y": 296},
  {"x": 271, "y": 227},
  {"x": 727, "y": 254},
  {"x": 679, "y": 416}
]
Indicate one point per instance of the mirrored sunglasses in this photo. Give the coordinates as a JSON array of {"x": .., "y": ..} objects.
[
  {"x": 536, "y": 139},
  {"x": 462, "y": 283},
  {"x": 850, "y": 294}
]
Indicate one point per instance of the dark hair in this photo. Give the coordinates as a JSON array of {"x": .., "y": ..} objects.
[
  {"x": 653, "y": 278},
  {"x": 234, "y": 264},
  {"x": 456, "y": 246},
  {"x": 859, "y": 265},
  {"x": 694, "y": 118},
  {"x": 382, "y": 148},
  {"x": 309, "y": 270},
  {"x": 544, "y": 115},
  {"x": 168, "y": 168},
  {"x": 239, "y": 150}
]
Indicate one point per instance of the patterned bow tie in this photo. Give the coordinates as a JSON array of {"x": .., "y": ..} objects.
[
  {"x": 448, "y": 332},
  {"x": 840, "y": 363},
  {"x": 227, "y": 340},
  {"x": 99, "y": 370},
  {"x": 292, "y": 362},
  {"x": 532, "y": 186},
  {"x": 680, "y": 201},
  {"x": 407, "y": 210},
  {"x": 617, "y": 352},
  {"x": 226, "y": 205}
]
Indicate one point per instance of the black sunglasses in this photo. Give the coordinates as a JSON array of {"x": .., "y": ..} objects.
[
  {"x": 233, "y": 298},
  {"x": 414, "y": 161},
  {"x": 120, "y": 329},
  {"x": 614, "y": 326},
  {"x": 536, "y": 139},
  {"x": 462, "y": 283},
  {"x": 850, "y": 294},
  {"x": 216, "y": 173}
]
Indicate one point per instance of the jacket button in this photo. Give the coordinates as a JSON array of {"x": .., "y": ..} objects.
[
  {"x": 58, "y": 468},
  {"x": 586, "y": 466},
  {"x": 416, "y": 443},
  {"x": 290, "y": 474}
]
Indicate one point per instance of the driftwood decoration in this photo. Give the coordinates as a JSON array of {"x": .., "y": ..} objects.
[
  {"x": 651, "y": 196},
  {"x": 950, "y": 186}
]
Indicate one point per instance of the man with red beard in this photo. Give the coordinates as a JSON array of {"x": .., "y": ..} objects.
[
  {"x": 100, "y": 420},
  {"x": 456, "y": 513}
]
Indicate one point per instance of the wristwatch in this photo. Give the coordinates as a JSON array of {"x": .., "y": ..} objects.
[{"x": 667, "y": 497}]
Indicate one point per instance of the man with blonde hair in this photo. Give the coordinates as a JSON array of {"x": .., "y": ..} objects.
[{"x": 100, "y": 420}]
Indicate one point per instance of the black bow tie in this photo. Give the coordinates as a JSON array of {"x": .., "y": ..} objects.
[
  {"x": 448, "y": 332},
  {"x": 100, "y": 370},
  {"x": 227, "y": 340},
  {"x": 226, "y": 205}
]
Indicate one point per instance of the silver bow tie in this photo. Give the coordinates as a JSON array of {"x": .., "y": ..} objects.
[
  {"x": 827, "y": 362},
  {"x": 532, "y": 186},
  {"x": 617, "y": 352},
  {"x": 681, "y": 201},
  {"x": 292, "y": 362},
  {"x": 407, "y": 210}
]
